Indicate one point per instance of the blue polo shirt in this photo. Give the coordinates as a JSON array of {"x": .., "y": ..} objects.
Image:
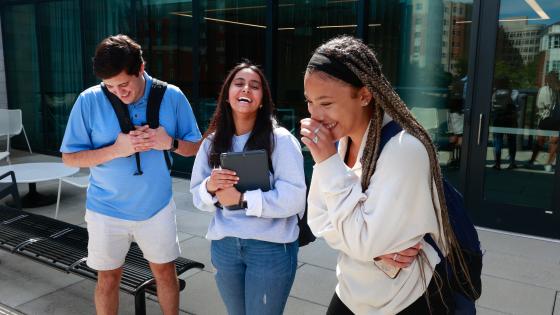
[{"x": 113, "y": 189}]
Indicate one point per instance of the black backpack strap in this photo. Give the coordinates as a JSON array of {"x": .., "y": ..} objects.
[
  {"x": 123, "y": 116},
  {"x": 157, "y": 90},
  {"x": 121, "y": 110}
]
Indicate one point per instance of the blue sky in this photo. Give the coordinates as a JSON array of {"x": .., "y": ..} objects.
[{"x": 511, "y": 8}]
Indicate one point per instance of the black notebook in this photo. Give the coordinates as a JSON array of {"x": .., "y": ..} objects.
[{"x": 251, "y": 168}]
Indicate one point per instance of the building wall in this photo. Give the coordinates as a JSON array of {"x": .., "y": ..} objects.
[{"x": 3, "y": 94}]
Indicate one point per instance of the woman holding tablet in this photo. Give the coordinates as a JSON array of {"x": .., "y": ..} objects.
[{"x": 254, "y": 250}]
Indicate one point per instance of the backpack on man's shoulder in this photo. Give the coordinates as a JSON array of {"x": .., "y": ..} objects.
[
  {"x": 157, "y": 90},
  {"x": 466, "y": 235}
]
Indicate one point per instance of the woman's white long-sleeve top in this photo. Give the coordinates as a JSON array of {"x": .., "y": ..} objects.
[
  {"x": 271, "y": 215},
  {"x": 393, "y": 214}
]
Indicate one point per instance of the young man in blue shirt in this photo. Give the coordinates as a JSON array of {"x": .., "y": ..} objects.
[{"x": 122, "y": 207}]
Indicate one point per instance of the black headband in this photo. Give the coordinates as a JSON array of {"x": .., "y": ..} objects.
[{"x": 335, "y": 68}]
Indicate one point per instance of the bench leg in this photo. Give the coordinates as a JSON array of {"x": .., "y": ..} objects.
[{"x": 140, "y": 303}]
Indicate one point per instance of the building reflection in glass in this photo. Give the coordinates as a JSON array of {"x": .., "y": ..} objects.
[{"x": 525, "y": 110}]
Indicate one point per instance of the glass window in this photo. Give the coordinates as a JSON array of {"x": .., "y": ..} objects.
[
  {"x": 302, "y": 27},
  {"x": 48, "y": 59},
  {"x": 301, "y": 30},
  {"x": 431, "y": 79},
  {"x": 21, "y": 58},
  {"x": 522, "y": 142},
  {"x": 231, "y": 31},
  {"x": 164, "y": 31},
  {"x": 44, "y": 66}
]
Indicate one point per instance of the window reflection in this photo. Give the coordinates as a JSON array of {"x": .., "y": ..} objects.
[
  {"x": 423, "y": 46},
  {"x": 302, "y": 27},
  {"x": 230, "y": 31},
  {"x": 167, "y": 42},
  {"x": 524, "y": 111}
]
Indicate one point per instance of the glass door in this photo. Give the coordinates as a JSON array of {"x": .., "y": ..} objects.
[{"x": 516, "y": 131}]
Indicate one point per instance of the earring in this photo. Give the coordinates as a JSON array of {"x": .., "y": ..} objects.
[{"x": 260, "y": 106}]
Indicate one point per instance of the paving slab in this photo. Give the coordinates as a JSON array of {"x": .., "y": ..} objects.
[
  {"x": 180, "y": 185},
  {"x": 530, "y": 271},
  {"x": 536, "y": 249},
  {"x": 197, "y": 248},
  {"x": 319, "y": 254},
  {"x": 314, "y": 284},
  {"x": 486, "y": 311},
  {"x": 6, "y": 310},
  {"x": 184, "y": 203},
  {"x": 300, "y": 307},
  {"x": 201, "y": 296},
  {"x": 23, "y": 280},
  {"x": 78, "y": 299},
  {"x": 193, "y": 223},
  {"x": 515, "y": 297}
]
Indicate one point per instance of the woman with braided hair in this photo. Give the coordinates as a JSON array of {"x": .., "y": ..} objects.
[{"x": 365, "y": 202}]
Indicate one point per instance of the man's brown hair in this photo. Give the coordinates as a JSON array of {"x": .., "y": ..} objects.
[{"x": 115, "y": 54}]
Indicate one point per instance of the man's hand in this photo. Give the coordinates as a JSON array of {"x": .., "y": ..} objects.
[
  {"x": 403, "y": 258},
  {"x": 161, "y": 140},
  {"x": 228, "y": 196},
  {"x": 128, "y": 144}
]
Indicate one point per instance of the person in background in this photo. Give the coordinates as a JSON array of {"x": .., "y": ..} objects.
[
  {"x": 548, "y": 102},
  {"x": 504, "y": 115},
  {"x": 123, "y": 207}
]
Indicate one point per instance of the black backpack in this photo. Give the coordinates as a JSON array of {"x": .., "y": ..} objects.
[
  {"x": 305, "y": 235},
  {"x": 157, "y": 90},
  {"x": 466, "y": 236}
]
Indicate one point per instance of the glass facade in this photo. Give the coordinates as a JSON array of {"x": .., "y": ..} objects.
[
  {"x": 424, "y": 47},
  {"x": 525, "y": 106},
  {"x": 193, "y": 45}
]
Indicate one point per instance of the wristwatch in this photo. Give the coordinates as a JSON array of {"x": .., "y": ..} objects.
[
  {"x": 242, "y": 201},
  {"x": 174, "y": 145}
]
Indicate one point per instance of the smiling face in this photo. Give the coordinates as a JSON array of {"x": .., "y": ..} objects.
[
  {"x": 245, "y": 92},
  {"x": 128, "y": 88},
  {"x": 340, "y": 107}
]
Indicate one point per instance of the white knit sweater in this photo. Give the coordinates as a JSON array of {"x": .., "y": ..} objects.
[{"x": 393, "y": 214}]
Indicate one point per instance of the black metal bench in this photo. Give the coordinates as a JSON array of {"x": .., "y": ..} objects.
[{"x": 63, "y": 246}]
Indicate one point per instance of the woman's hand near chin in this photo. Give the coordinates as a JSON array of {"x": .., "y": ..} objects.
[{"x": 318, "y": 139}]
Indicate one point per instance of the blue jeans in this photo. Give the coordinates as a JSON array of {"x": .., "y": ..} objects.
[
  {"x": 254, "y": 277},
  {"x": 499, "y": 144}
]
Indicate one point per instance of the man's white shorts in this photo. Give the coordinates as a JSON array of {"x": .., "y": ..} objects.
[{"x": 110, "y": 238}]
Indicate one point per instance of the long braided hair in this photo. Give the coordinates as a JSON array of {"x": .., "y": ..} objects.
[{"x": 361, "y": 60}]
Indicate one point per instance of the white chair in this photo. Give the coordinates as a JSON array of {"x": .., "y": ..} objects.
[
  {"x": 4, "y": 122},
  {"x": 11, "y": 124},
  {"x": 5, "y": 154},
  {"x": 81, "y": 181}
]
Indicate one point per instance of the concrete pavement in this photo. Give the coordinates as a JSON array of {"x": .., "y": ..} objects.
[{"x": 521, "y": 275}]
